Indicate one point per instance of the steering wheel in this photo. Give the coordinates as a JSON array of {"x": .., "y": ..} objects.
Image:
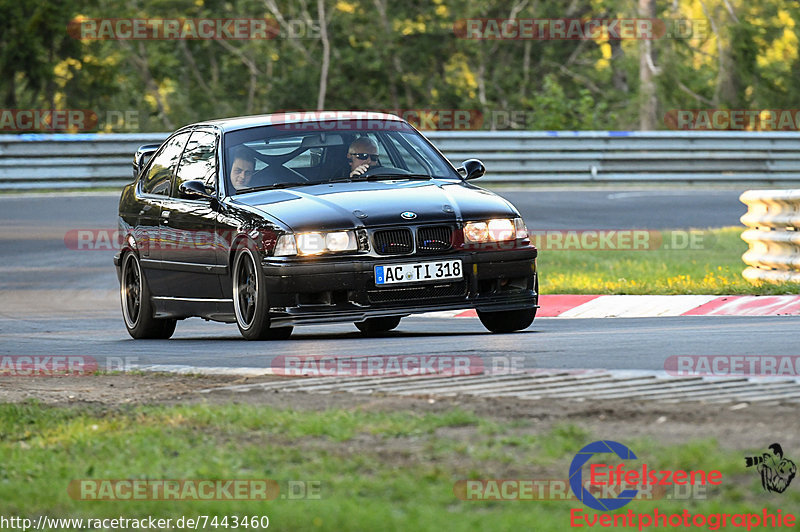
[{"x": 383, "y": 170}]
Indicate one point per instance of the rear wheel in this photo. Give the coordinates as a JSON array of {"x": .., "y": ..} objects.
[
  {"x": 372, "y": 326},
  {"x": 507, "y": 321},
  {"x": 137, "y": 309},
  {"x": 250, "y": 299}
]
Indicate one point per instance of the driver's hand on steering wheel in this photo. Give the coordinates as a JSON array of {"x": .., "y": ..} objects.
[{"x": 359, "y": 170}]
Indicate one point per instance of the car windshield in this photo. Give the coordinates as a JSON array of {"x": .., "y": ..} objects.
[{"x": 310, "y": 153}]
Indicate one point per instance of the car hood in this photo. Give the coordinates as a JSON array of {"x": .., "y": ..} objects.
[{"x": 377, "y": 203}]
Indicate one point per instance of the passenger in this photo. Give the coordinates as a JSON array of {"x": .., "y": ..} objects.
[{"x": 242, "y": 168}]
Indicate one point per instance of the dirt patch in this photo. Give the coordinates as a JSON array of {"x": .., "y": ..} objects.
[
  {"x": 109, "y": 390},
  {"x": 741, "y": 426}
]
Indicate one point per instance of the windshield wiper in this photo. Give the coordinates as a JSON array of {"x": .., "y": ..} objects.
[{"x": 375, "y": 177}]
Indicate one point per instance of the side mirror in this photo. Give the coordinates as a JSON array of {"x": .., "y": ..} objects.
[
  {"x": 194, "y": 189},
  {"x": 142, "y": 157},
  {"x": 471, "y": 169}
]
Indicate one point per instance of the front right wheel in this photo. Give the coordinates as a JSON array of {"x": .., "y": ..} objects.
[
  {"x": 250, "y": 299},
  {"x": 507, "y": 321}
]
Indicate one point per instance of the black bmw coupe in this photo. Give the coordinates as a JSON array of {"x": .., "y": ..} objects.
[{"x": 301, "y": 218}]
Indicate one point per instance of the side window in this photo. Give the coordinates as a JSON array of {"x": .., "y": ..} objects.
[
  {"x": 159, "y": 176},
  {"x": 199, "y": 159}
]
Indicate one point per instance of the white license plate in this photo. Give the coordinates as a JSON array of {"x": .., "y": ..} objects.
[{"x": 418, "y": 271}]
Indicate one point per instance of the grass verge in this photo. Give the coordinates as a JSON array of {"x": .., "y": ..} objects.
[
  {"x": 375, "y": 470},
  {"x": 696, "y": 262}
]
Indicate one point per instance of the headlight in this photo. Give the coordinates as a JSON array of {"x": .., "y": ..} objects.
[
  {"x": 497, "y": 230},
  {"x": 310, "y": 243},
  {"x": 501, "y": 230},
  {"x": 341, "y": 241},
  {"x": 476, "y": 232},
  {"x": 316, "y": 242}
]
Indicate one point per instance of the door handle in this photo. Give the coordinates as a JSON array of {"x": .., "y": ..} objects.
[{"x": 165, "y": 216}]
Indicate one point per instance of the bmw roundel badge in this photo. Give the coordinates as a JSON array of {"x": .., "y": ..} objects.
[{"x": 408, "y": 215}]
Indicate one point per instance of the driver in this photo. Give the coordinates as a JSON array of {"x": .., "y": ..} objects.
[
  {"x": 242, "y": 168},
  {"x": 362, "y": 155}
]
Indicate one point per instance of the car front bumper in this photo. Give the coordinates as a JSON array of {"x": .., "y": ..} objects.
[{"x": 345, "y": 290}]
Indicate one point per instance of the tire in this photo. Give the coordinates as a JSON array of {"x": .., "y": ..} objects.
[
  {"x": 137, "y": 308},
  {"x": 373, "y": 326},
  {"x": 507, "y": 321},
  {"x": 250, "y": 302}
]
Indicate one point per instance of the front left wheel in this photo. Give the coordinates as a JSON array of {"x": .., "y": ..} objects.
[
  {"x": 374, "y": 326},
  {"x": 137, "y": 309},
  {"x": 507, "y": 321},
  {"x": 250, "y": 299}
]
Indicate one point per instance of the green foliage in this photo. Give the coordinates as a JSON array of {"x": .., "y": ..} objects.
[{"x": 398, "y": 55}]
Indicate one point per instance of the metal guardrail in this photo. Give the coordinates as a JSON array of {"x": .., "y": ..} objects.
[
  {"x": 32, "y": 161},
  {"x": 620, "y": 156},
  {"x": 69, "y": 161},
  {"x": 773, "y": 234}
]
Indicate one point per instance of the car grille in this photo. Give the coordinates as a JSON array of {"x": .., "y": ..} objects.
[
  {"x": 393, "y": 241},
  {"x": 400, "y": 241},
  {"x": 415, "y": 293},
  {"x": 436, "y": 238}
]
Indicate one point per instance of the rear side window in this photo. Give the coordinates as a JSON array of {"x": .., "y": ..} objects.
[
  {"x": 199, "y": 159},
  {"x": 159, "y": 175}
]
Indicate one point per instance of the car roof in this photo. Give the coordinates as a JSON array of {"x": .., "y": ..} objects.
[{"x": 291, "y": 117}]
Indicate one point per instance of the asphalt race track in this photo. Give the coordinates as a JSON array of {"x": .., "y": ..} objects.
[{"x": 60, "y": 301}]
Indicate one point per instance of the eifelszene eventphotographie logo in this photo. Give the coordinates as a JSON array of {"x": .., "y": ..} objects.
[{"x": 629, "y": 479}]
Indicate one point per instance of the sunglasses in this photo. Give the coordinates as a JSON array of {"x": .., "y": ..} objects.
[{"x": 365, "y": 156}]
